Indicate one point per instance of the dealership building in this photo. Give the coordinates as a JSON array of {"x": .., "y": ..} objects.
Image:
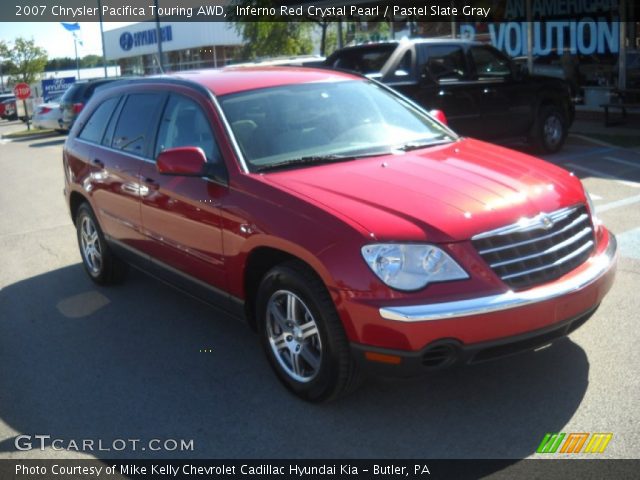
[{"x": 184, "y": 46}]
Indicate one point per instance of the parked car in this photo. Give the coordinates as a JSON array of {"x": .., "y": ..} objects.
[
  {"x": 76, "y": 97},
  {"x": 8, "y": 107},
  {"x": 483, "y": 93},
  {"x": 351, "y": 229},
  {"x": 48, "y": 115}
]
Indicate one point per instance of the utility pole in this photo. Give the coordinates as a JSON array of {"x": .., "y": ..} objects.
[
  {"x": 104, "y": 53},
  {"x": 75, "y": 46},
  {"x": 160, "y": 60}
]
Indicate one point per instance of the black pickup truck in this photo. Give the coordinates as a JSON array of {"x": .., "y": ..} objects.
[{"x": 482, "y": 92}]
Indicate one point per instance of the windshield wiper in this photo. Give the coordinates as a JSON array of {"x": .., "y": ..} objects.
[
  {"x": 315, "y": 160},
  {"x": 416, "y": 145}
]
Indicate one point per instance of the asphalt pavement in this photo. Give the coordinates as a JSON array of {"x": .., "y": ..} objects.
[{"x": 143, "y": 361}]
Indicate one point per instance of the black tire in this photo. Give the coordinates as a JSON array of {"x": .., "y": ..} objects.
[
  {"x": 109, "y": 269},
  {"x": 549, "y": 130},
  {"x": 336, "y": 372}
]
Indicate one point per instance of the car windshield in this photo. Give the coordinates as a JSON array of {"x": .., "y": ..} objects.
[{"x": 327, "y": 121}]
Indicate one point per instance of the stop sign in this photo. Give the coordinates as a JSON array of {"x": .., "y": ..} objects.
[{"x": 22, "y": 91}]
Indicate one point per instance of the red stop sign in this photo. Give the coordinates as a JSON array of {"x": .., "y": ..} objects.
[{"x": 22, "y": 91}]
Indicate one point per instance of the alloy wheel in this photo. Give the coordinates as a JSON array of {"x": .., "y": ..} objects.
[{"x": 293, "y": 336}]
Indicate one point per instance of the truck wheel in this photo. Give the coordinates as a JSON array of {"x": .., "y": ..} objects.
[
  {"x": 302, "y": 334},
  {"x": 103, "y": 267},
  {"x": 550, "y": 129}
]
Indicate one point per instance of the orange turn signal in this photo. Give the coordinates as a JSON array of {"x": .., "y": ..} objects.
[{"x": 382, "y": 358}]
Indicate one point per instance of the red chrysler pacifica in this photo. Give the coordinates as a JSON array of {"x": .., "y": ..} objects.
[{"x": 353, "y": 230}]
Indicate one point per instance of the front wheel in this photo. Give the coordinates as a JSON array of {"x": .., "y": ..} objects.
[
  {"x": 550, "y": 129},
  {"x": 302, "y": 334}
]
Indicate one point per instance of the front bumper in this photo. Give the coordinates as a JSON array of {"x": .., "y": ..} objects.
[
  {"x": 596, "y": 268},
  {"x": 446, "y": 353},
  {"x": 512, "y": 321}
]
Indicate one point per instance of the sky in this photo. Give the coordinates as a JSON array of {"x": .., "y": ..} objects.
[{"x": 55, "y": 39}]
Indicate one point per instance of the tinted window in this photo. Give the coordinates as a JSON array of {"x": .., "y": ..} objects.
[
  {"x": 94, "y": 128},
  {"x": 137, "y": 123},
  {"x": 446, "y": 62},
  {"x": 184, "y": 124},
  {"x": 489, "y": 64},
  {"x": 73, "y": 93},
  {"x": 364, "y": 60}
]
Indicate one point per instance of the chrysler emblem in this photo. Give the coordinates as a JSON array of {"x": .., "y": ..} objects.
[{"x": 546, "y": 222}]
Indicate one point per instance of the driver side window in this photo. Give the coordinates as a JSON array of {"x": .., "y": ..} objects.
[
  {"x": 489, "y": 64},
  {"x": 445, "y": 63}
]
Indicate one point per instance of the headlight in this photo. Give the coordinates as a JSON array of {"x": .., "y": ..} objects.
[
  {"x": 410, "y": 267},
  {"x": 592, "y": 208}
]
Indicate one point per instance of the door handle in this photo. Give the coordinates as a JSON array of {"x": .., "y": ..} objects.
[
  {"x": 489, "y": 90},
  {"x": 98, "y": 163},
  {"x": 443, "y": 93},
  {"x": 150, "y": 183}
]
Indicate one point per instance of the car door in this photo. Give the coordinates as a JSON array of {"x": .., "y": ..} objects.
[
  {"x": 505, "y": 103},
  {"x": 445, "y": 84},
  {"x": 125, "y": 147},
  {"x": 181, "y": 214},
  {"x": 110, "y": 177}
]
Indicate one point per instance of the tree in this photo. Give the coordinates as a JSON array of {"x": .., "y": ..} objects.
[
  {"x": 26, "y": 60},
  {"x": 272, "y": 39}
]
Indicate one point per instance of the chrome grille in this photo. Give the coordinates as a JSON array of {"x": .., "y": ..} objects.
[{"x": 539, "y": 249}]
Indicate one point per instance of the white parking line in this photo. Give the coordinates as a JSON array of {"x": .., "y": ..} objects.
[
  {"x": 629, "y": 243},
  {"x": 598, "y": 173},
  {"x": 623, "y": 162},
  {"x": 617, "y": 204}
]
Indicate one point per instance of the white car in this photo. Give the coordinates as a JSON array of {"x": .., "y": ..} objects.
[{"x": 48, "y": 115}]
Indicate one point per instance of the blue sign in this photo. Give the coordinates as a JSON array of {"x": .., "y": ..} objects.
[
  {"x": 54, "y": 87},
  {"x": 130, "y": 40},
  {"x": 126, "y": 41}
]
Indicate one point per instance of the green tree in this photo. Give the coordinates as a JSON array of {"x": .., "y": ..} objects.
[
  {"x": 91, "y": 61},
  {"x": 26, "y": 60},
  {"x": 272, "y": 39}
]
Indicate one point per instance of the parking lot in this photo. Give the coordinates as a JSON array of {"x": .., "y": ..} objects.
[{"x": 143, "y": 361}]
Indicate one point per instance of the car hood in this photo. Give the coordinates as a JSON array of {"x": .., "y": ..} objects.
[{"x": 441, "y": 194}]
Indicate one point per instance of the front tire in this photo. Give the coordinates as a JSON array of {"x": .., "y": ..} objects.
[
  {"x": 302, "y": 334},
  {"x": 102, "y": 266},
  {"x": 550, "y": 129}
]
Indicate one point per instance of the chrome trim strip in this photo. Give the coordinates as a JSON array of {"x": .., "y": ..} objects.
[
  {"x": 560, "y": 261},
  {"x": 526, "y": 224},
  {"x": 578, "y": 220},
  {"x": 597, "y": 267},
  {"x": 557, "y": 246}
]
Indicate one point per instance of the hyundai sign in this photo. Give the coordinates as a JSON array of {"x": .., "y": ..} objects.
[
  {"x": 54, "y": 87},
  {"x": 130, "y": 40}
]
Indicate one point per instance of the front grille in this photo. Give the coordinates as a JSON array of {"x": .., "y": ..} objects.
[{"x": 540, "y": 249}]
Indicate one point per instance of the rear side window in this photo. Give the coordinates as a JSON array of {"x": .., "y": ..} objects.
[
  {"x": 365, "y": 60},
  {"x": 94, "y": 128},
  {"x": 184, "y": 124},
  {"x": 73, "y": 93},
  {"x": 445, "y": 62},
  {"x": 137, "y": 123}
]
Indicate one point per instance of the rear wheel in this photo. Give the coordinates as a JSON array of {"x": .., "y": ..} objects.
[
  {"x": 550, "y": 129},
  {"x": 302, "y": 334},
  {"x": 101, "y": 264}
]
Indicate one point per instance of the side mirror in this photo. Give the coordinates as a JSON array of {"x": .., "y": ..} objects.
[
  {"x": 439, "y": 115},
  {"x": 187, "y": 161}
]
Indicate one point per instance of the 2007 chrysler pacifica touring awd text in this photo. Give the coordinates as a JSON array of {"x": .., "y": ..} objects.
[{"x": 353, "y": 230}]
